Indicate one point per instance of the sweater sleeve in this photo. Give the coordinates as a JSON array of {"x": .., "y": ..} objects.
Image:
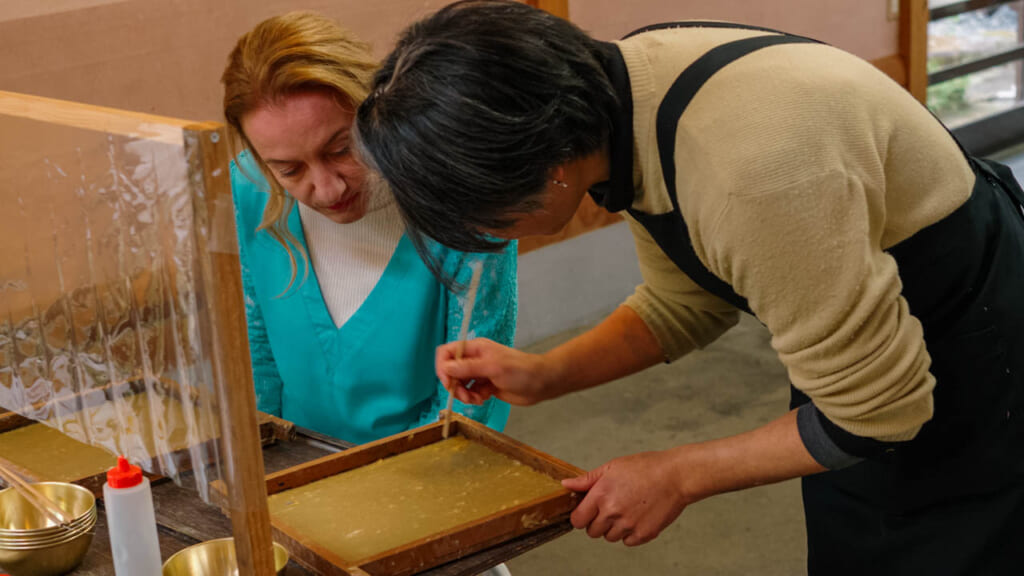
[
  {"x": 266, "y": 378},
  {"x": 681, "y": 315},
  {"x": 494, "y": 317},
  {"x": 810, "y": 263}
]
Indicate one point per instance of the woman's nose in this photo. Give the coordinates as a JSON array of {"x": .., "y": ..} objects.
[{"x": 329, "y": 186}]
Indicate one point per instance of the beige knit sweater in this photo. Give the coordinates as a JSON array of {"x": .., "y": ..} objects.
[{"x": 797, "y": 166}]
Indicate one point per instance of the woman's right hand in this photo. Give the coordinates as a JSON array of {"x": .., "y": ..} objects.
[{"x": 489, "y": 369}]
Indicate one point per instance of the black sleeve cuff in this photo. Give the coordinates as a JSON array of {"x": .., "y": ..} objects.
[{"x": 830, "y": 445}]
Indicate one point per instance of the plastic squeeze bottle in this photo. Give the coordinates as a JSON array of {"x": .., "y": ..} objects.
[{"x": 130, "y": 519}]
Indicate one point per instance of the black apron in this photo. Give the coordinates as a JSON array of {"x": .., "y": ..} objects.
[{"x": 951, "y": 501}]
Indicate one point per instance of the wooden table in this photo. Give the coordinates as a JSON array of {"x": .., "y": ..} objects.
[{"x": 183, "y": 519}]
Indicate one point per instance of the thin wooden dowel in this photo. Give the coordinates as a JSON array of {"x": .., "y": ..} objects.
[
  {"x": 467, "y": 313},
  {"x": 48, "y": 507}
]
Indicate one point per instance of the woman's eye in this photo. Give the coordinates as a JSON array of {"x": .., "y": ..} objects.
[
  {"x": 340, "y": 152},
  {"x": 288, "y": 172}
]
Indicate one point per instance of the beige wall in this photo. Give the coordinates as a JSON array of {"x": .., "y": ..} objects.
[
  {"x": 165, "y": 57},
  {"x": 158, "y": 56},
  {"x": 859, "y": 26}
]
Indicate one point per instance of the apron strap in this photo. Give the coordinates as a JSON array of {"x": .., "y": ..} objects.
[
  {"x": 686, "y": 86},
  {"x": 676, "y": 242}
]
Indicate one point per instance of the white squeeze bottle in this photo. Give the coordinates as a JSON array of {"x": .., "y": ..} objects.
[{"x": 131, "y": 522}]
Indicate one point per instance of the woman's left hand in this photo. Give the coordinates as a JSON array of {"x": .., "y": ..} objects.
[{"x": 632, "y": 498}]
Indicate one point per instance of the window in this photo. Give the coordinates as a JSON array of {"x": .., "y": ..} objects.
[{"x": 975, "y": 59}]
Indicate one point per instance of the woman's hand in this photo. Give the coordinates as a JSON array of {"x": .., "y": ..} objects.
[
  {"x": 490, "y": 369},
  {"x": 632, "y": 498}
]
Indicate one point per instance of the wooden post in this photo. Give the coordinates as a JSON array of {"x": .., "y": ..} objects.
[
  {"x": 559, "y": 8},
  {"x": 894, "y": 66},
  {"x": 913, "y": 27},
  {"x": 207, "y": 149}
]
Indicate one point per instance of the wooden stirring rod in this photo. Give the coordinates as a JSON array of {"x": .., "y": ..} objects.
[
  {"x": 467, "y": 312},
  {"x": 37, "y": 499}
]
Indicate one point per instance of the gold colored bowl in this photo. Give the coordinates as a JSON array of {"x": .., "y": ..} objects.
[
  {"x": 32, "y": 545},
  {"x": 20, "y": 520},
  {"x": 51, "y": 560},
  {"x": 213, "y": 558},
  {"x": 48, "y": 541},
  {"x": 34, "y": 539}
]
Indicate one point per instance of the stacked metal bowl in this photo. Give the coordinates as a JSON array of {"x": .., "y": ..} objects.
[{"x": 32, "y": 545}]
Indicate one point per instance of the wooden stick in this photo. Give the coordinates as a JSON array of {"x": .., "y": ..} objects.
[
  {"x": 38, "y": 500},
  {"x": 467, "y": 313}
]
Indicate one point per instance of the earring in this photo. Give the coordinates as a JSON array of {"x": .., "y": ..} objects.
[{"x": 560, "y": 183}]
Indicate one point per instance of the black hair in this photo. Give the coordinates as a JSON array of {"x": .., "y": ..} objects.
[{"x": 473, "y": 109}]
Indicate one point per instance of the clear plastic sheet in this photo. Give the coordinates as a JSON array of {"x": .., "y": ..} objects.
[{"x": 104, "y": 333}]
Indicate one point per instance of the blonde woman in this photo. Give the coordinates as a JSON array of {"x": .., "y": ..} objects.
[{"x": 344, "y": 316}]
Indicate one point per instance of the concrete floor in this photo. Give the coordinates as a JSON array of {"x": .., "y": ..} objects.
[{"x": 732, "y": 386}]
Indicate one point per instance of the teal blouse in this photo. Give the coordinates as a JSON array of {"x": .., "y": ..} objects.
[{"x": 374, "y": 376}]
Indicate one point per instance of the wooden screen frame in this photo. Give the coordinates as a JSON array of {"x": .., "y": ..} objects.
[{"x": 206, "y": 148}]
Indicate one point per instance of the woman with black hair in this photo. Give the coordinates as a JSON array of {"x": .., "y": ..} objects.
[{"x": 759, "y": 172}]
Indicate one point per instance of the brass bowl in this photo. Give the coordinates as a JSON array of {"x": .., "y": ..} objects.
[
  {"x": 32, "y": 545},
  {"x": 35, "y": 538},
  {"x": 51, "y": 560},
  {"x": 21, "y": 520},
  {"x": 37, "y": 543},
  {"x": 213, "y": 558}
]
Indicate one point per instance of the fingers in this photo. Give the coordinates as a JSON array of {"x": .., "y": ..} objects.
[
  {"x": 582, "y": 483},
  {"x": 617, "y": 532},
  {"x": 444, "y": 355},
  {"x": 478, "y": 394},
  {"x": 441, "y": 354},
  {"x": 499, "y": 371},
  {"x": 585, "y": 513},
  {"x": 469, "y": 369},
  {"x": 600, "y": 525},
  {"x": 589, "y": 508},
  {"x": 638, "y": 538},
  {"x": 605, "y": 513},
  {"x": 472, "y": 365}
]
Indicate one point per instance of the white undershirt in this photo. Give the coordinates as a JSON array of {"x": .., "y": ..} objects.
[{"x": 349, "y": 259}]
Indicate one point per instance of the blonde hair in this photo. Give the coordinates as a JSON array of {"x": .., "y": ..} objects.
[{"x": 283, "y": 55}]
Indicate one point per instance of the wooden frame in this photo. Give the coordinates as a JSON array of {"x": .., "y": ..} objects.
[
  {"x": 559, "y": 8},
  {"x": 914, "y": 18},
  {"x": 205, "y": 146},
  {"x": 438, "y": 548}
]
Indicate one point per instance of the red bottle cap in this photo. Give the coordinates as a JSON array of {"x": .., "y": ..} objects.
[{"x": 124, "y": 475}]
